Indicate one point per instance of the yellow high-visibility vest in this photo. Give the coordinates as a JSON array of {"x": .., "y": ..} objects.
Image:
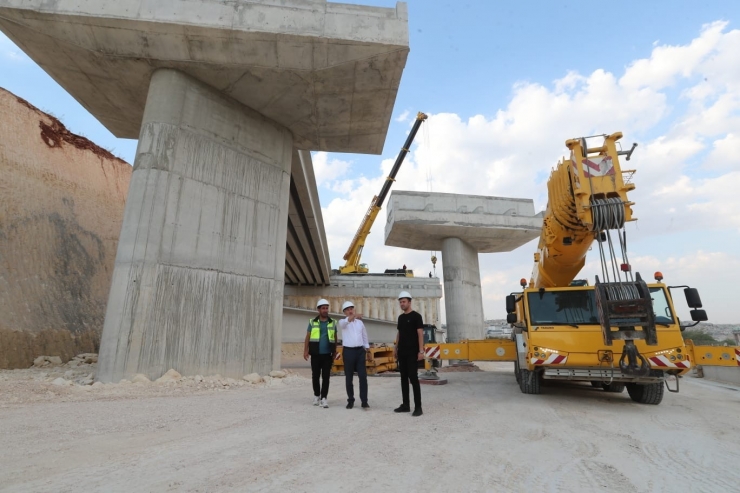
[{"x": 316, "y": 330}]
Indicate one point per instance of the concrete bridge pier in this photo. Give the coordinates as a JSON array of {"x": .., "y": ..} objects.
[
  {"x": 224, "y": 97},
  {"x": 461, "y": 227},
  {"x": 200, "y": 237},
  {"x": 463, "y": 296}
]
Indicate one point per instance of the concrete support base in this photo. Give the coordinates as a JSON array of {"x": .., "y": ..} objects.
[
  {"x": 724, "y": 374},
  {"x": 440, "y": 381},
  {"x": 198, "y": 279},
  {"x": 463, "y": 297}
]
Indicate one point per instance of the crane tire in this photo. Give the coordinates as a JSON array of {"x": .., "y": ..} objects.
[
  {"x": 617, "y": 388},
  {"x": 529, "y": 381},
  {"x": 651, "y": 393}
]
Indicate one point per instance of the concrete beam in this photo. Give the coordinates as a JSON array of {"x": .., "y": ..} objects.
[
  {"x": 307, "y": 260},
  {"x": 328, "y": 72},
  {"x": 422, "y": 220},
  {"x": 308, "y": 196},
  {"x": 460, "y": 226},
  {"x": 375, "y": 296}
]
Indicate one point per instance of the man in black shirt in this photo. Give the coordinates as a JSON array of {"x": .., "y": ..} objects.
[{"x": 408, "y": 351}]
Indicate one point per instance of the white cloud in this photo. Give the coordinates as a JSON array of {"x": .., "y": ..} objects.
[
  {"x": 10, "y": 52},
  {"x": 327, "y": 169},
  {"x": 667, "y": 63},
  {"x": 725, "y": 153},
  {"x": 695, "y": 270},
  {"x": 687, "y": 159},
  {"x": 403, "y": 116}
]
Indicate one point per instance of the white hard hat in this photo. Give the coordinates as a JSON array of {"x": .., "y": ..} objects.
[
  {"x": 405, "y": 294},
  {"x": 347, "y": 304},
  {"x": 321, "y": 302}
]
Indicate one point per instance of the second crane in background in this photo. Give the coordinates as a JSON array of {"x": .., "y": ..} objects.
[{"x": 354, "y": 252}]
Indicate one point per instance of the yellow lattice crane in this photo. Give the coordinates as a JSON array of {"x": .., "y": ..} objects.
[{"x": 354, "y": 252}]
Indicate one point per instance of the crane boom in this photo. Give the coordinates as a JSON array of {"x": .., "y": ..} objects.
[
  {"x": 587, "y": 194},
  {"x": 587, "y": 199},
  {"x": 354, "y": 252}
]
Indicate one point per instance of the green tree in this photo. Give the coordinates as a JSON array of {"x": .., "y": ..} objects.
[{"x": 699, "y": 337}]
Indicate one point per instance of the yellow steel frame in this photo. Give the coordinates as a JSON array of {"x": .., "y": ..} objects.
[
  {"x": 354, "y": 252},
  {"x": 377, "y": 360},
  {"x": 712, "y": 355},
  {"x": 483, "y": 350}
]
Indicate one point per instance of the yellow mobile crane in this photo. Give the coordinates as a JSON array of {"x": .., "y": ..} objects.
[
  {"x": 354, "y": 252},
  {"x": 620, "y": 332}
]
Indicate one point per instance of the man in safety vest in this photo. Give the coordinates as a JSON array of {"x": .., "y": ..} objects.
[{"x": 321, "y": 345}]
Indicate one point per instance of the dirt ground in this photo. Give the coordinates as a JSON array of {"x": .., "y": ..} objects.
[{"x": 478, "y": 433}]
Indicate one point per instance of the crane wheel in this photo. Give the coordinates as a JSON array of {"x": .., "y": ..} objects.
[
  {"x": 517, "y": 374},
  {"x": 595, "y": 384},
  {"x": 529, "y": 381},
  {"x": 646, "y": 394},
  {"x": 617, "y": 388}
]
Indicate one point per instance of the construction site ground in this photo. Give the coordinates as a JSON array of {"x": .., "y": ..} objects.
[{"x": 478, "y": 433}]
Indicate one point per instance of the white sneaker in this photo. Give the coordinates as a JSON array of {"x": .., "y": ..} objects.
[
  {"x": 324, "y": 403},
  {"x": 316, "y": 400}
]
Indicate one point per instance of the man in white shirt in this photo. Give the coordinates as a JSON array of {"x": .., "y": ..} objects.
[{"x": 354, "y": 345}]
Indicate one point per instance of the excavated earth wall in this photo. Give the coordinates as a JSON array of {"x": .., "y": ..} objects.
[{"x": 61, "y": 207}]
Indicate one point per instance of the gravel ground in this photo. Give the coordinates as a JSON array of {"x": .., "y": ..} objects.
[{"x": 478, "y": 433}]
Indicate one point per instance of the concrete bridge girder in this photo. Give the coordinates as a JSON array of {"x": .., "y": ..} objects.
[{"x": 374, "y": 296}]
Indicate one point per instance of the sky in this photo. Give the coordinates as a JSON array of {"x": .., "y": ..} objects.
[{"x": 505, "y": 84}]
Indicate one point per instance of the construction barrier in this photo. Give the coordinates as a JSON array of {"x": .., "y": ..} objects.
[{"x": 378, "y": 359}]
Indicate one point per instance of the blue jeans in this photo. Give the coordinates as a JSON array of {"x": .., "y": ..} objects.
[{"x": 354, "y": 361}]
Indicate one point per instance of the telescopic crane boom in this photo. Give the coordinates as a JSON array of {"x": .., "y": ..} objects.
[{"x": 354, "y": 252}]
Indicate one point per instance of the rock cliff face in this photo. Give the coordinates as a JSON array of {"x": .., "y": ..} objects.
[{"x": 61, "y": 207}]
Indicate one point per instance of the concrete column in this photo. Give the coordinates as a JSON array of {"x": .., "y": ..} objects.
[
  {"x": 198, "y": 279},
  {"x": 463, "y": 298}
]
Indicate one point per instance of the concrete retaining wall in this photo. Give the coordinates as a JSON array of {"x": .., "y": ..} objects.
[
  {"x": 295, "y": 323},
  {"x": 374, "y": 296},
  {"x": 724, "y": 374}
]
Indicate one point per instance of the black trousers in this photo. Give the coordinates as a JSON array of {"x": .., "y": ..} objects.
[
  {"x": 354, "y": 361},
  {"x": 409, "y": 372},
  {"x": 321, "y": 365}
]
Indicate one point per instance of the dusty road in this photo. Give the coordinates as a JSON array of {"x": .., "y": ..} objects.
[{"x": 478, "y": 433}]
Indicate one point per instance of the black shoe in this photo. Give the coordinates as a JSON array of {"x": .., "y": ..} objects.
[
  {"x": 402, "y": 409},
  {"x": 417, "y": 412},
  {"x": 365, "y": 405},
  {"x": 350, "y": 405}
]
